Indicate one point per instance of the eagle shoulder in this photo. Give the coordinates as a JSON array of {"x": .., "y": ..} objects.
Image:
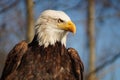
[
  {"x": 77, "y": 63},
  {"x": 14, "y": 58}
]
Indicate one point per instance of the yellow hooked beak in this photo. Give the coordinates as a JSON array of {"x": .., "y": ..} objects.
[{"x": 68, "y": 26}]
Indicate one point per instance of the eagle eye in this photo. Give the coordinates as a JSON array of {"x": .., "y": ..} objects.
[{"x": 60, "y": 20}]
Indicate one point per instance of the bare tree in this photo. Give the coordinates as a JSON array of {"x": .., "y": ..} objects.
[
  {"x": 91, "y": 34},
  {"x": 30, "y": 20}
]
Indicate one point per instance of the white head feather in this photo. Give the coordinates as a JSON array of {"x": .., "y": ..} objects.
[{"x": 47, "y": 30}]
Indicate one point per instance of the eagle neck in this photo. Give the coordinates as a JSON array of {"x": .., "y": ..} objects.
[{"x": 48, "y": 36}]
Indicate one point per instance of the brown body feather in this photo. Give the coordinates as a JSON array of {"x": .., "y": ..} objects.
[{"x": 34, "y": 62}]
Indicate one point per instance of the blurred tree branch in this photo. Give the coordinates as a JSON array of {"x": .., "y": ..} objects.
[
  {"x": 30, "y": 20},
  {"x": 91, "y": 37},
  {"x": 6, "y": 7},
  {"x": 109, "y": 16},
  {"x": 113, "y": 59},
  {"x": 109, "y": 70}
]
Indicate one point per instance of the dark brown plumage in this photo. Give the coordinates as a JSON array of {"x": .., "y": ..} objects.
[{"x": 34, "y": 62}]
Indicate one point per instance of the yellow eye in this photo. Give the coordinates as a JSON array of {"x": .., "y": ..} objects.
[{"x": 60, "y": 20}]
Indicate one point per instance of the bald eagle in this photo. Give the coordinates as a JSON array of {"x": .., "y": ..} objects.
[{"x": 46, "y": 57}]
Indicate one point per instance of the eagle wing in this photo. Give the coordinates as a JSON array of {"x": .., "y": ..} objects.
[
  {"x": 77, "y": 64},
  {"x": 14, "y": 58}
]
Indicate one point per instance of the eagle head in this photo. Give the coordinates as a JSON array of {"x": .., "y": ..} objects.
[{"x": 52, "y": 26}]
